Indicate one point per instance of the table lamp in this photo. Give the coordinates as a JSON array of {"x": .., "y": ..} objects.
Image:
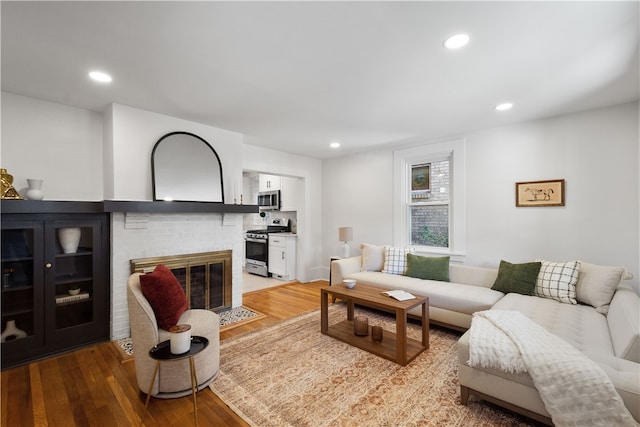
[{"x": 345, "y": 234}]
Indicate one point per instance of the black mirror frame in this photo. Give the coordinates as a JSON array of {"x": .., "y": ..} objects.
[{"x": 153, "y": 168}]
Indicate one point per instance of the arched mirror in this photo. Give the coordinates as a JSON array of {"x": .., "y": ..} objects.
[{"x": 184, "y": 167}]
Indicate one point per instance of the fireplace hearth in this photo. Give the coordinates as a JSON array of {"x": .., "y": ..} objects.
[{"x": 206, "y": 278}]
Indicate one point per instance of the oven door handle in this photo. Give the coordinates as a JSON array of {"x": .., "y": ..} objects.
[{"x": 255, "y": 240}]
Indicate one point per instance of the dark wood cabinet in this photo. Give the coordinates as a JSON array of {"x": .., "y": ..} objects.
[{"x": 53, "y": 301}]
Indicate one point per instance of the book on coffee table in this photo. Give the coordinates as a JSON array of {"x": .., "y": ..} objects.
[{"x": 399, "y": 295}]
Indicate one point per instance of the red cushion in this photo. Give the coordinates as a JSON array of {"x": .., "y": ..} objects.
[{"x": 165, "y": 295}]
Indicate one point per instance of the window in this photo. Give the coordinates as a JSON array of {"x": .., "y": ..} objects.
[
  {"x": 429, "y": 210},
  {"x": 429, "y": 198}
]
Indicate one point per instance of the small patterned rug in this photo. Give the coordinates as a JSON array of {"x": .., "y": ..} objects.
[
  {"x": 229, "y": 319},
  {"x": 290, "y": 374},
  {"x": 238, "y": 316}
]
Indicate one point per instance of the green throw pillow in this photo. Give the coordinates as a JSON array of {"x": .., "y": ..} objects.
[
  {"x": 428, "y": 268},
  {"x": 518, "y": 278}
]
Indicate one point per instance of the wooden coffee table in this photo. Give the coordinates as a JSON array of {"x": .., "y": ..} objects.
[{"x": 395, "y": 347}]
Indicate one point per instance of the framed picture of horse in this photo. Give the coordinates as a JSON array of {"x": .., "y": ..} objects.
[{"x": 540, "y": 193}]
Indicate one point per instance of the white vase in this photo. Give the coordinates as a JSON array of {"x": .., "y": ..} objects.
[
  {"x": 69, "y": 239},
  {"x": 34, "y": 192},
  {"x": 11, "y": 332}
]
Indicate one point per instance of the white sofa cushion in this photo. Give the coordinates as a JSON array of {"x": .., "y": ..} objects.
[
  {"x": 579, "y": 325},
  {"x": 478, "y": 276},
  {"x": 597, "y": 284},
  {"x": 557, "y": 280},
  {"x": 372, "y": 257}
]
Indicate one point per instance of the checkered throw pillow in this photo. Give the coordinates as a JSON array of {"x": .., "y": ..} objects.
[
  {"x": 557, "y": 280},
  {"x": 395, "y": 260}
]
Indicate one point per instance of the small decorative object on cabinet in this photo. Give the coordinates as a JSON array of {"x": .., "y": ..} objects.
[
  {"x": 38, "y": 275},
  {"x": 12, "y": 332},
  {"x": 69, "y": 239},
  {"x": 6, "y": 186},
  {"x": 6, "y": 277},
  {"x": 34, "y": 192}
]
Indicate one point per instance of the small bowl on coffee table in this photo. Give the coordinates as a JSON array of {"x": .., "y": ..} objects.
[{"x": 349, "y": 283}]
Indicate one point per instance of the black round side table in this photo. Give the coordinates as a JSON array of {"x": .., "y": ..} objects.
[{"x": 162, "y": 353}]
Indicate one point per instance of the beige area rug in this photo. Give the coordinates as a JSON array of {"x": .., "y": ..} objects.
[{"x": 290, "y": 374}]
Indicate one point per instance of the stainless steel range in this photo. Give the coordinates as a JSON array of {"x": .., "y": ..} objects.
[{"x": 257, "y": 246}]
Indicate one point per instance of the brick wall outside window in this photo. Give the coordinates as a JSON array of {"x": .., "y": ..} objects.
[{"x": 430, "y": 223}]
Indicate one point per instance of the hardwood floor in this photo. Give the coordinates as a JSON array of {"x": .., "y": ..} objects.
[{"x": 93, "y": 387}]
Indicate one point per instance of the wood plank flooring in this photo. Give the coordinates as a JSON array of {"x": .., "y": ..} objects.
[{"x": 94, "y": 387}]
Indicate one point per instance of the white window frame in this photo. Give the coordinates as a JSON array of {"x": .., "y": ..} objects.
[{"x": 403, "y": 159}]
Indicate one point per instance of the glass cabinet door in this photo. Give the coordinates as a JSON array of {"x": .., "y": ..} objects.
[
  {"x": 72, "y": 271},
  {"x": 22, "y": 284}
]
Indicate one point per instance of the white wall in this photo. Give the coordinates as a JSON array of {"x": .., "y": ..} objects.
[
  {"x": 134, "y": 132},
  {"x": 596, "y": 152},
  {"x": 309, "y": 264},
  {"x": 357, "y": 191},
  {"x": 61, "y": 145}
]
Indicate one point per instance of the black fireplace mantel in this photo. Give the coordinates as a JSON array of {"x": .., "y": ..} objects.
[{"x": 59, "y": 206}]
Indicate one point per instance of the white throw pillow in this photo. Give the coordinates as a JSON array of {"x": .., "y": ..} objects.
[
  {"x": 597, "y": 284},
  {"x": 395, "y": 260},
  {"x": 372, "y": 257},
  {"x": 557, "y": 280}
]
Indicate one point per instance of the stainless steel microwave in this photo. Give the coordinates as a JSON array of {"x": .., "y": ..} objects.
[{"x": 269, "y": 200}]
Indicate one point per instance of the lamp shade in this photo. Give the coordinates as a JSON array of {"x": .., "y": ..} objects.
[{"x": 345, "y": 234}]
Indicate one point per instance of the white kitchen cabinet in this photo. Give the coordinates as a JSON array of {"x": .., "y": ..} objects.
[
  {"x": 290, "y": 193},
  {"x": 268, "y": 182},
  {"x": 282, "y": 256}
]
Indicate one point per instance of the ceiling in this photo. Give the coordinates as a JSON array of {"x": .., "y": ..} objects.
[{"x": 294, "y": 76}]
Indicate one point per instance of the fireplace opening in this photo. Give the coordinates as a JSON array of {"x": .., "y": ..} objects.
[{"x": 206, "y": 278}]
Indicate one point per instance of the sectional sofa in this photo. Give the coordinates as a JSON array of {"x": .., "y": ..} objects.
[
  {"x": 451, "y": 304},
  {"x": 603, "y": 323}
]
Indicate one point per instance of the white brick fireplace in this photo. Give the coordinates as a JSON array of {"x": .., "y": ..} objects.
[{"x": 158, "y": 234}]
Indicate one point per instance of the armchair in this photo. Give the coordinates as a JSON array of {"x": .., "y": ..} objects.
[{"x": 173, "y": 379}]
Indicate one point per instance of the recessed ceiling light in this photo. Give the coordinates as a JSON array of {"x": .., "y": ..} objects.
[
  {"x": 457, "y": 41},
  {"x": 504, "y": 107},
  {"x": 101, "y": 77},
  {"x": 334, "y": 144}
]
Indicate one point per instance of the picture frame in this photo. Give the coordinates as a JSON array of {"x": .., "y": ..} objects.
[{"x": 540, "y": 193}]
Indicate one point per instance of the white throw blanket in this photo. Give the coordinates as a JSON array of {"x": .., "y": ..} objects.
[{"x": 575, "y": 390}]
